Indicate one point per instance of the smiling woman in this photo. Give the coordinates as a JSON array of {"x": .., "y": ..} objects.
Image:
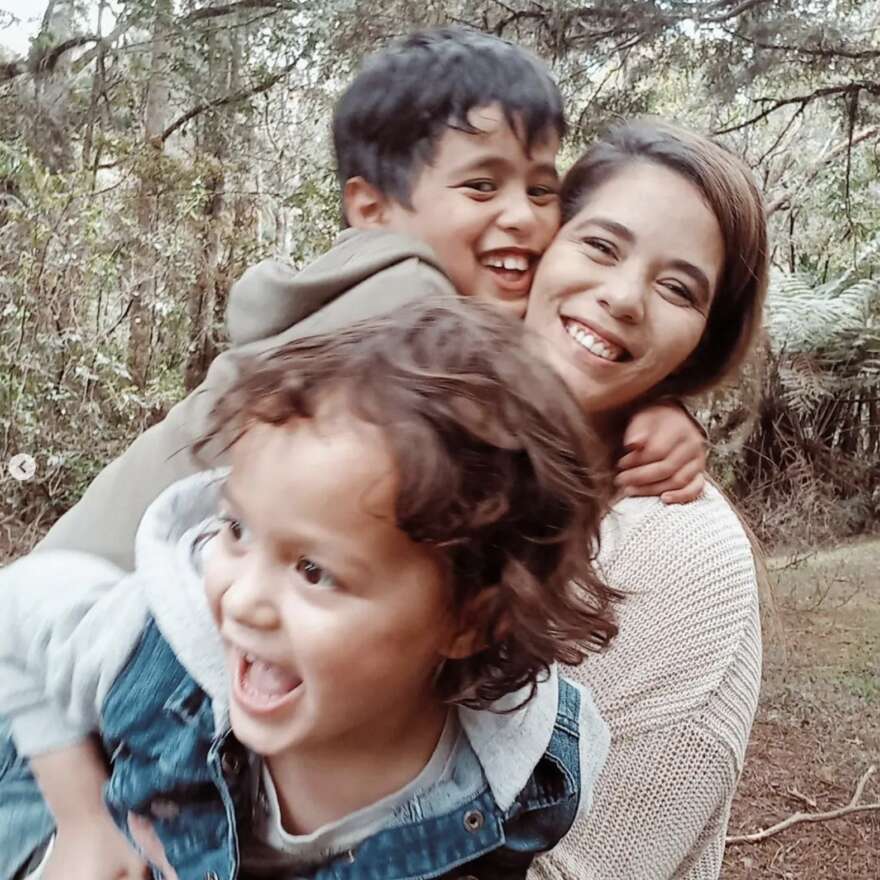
[
  {"x": 624, "y": 291},
  {"x": 654, "y": 287}
]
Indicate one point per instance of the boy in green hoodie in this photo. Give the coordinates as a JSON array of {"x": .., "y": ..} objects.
[{"x": 445, "y": 146}]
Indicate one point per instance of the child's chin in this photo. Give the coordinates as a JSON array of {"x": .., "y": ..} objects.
[{"x": 266, "y": 743}]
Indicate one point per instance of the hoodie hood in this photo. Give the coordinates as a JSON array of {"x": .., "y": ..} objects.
[
  {"x": 273, "y": 296},
  {"x": 168, "y": 556}
]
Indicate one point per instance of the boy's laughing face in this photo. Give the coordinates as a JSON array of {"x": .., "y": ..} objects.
[{"x": 486, "y": 207}]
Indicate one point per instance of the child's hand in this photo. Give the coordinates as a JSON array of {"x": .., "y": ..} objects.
[
  {"x": 93, "y": 849},
  {"x": 87, "y": 845},
  {"x": 665, "y": 455}
]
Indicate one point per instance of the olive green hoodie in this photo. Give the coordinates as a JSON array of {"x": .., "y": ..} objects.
[{"x": 365, "y": 274}]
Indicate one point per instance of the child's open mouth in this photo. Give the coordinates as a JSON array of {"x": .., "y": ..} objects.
[
  {"x": 260, "y": 686},
  {"x": 511, "y": 268}
]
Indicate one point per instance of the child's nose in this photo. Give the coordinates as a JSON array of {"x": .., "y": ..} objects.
[
  {"x": 249, "y": 599},
  {"x": 517, "y": 213}
]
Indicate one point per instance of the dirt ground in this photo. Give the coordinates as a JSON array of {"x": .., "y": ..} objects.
[{"x": 818, "y": 725}]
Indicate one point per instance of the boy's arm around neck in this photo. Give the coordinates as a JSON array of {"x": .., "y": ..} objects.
[{"x": 386, "y": 272}]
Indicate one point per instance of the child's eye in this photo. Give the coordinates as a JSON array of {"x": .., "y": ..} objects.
[
  {"x": 236, "y": 530},
  {"x": 543, "y": 193},
  {"x": 481, "y": 186},
  {"x": 313, "y": 574}
]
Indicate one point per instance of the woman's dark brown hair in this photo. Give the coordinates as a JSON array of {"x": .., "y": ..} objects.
[
  {"x": 730, "y": 192},
  {"x": 496, "y": 472}
]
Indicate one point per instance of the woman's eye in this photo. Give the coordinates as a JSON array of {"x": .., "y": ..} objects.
[
  {"x": 679, "y": 292},
  {"x": 481, "y": 186},
  {"x": 603, "y": 247},
  {"x": 313, "y": 574},
  {"x": 544, "y": 193}
]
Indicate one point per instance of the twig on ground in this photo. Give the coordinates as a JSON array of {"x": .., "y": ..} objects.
[
  {"x": 803, "y": 798},
  {"x": 852, "y": 807}
]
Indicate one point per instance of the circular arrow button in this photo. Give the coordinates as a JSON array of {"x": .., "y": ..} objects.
[{"x": 22, "y": 467}]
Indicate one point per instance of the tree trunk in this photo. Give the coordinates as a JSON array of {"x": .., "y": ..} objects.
[
  {"x": 144, "y": 293},
  {"x": 207, "y": 299}
]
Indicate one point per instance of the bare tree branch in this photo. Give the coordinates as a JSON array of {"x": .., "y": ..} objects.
[
  {"x": 230, "y": 8},
  {"x": 812, "y": 172},
  {"x": 233, "y": 98},
  {"x": 47, "y": 59},
  {"x": 810, "y": 51},
  {"x": 738, "y": 10},
  {"x": 872, "y": 88},
  {"x": 852, "y": 807}
]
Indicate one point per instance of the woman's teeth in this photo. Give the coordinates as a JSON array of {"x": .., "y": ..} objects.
[{"x": 599, "y": 347}]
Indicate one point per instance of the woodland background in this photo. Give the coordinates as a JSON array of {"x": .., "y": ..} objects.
[{"x": 151, "y": 150}]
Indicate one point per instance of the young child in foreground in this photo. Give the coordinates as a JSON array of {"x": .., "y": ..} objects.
[
  {"x": 445, "y": 145},
  {"x": 338, "y": 658}
]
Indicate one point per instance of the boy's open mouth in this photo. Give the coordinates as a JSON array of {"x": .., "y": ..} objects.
[
  {"x": 261, "y": 686},
  {"x": 594, "y": 342},
  {"x": 512, "y": 267}
]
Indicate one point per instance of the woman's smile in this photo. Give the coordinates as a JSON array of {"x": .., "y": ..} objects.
[{"x": 593, "y": 340}]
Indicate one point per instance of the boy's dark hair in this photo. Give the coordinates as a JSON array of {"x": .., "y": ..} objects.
[
  {"x": 495, "y": 467},
  {"x": 387, "y": 123}
]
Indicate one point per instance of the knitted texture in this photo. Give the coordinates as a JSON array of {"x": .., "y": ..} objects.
[{"x": 678, "y": 688}]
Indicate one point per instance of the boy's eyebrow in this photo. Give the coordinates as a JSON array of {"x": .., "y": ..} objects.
[
  {"x": 499, "y": 163},
  {"x": 624, "y": 232}
]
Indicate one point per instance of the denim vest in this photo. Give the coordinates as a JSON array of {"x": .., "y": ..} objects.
[{"x": 198, "y": 789}]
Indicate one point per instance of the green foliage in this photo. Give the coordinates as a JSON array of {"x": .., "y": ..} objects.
[{"x": 141, "y": 173}]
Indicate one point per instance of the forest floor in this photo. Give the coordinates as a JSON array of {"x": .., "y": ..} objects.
[{"x": 818, "y": 725}]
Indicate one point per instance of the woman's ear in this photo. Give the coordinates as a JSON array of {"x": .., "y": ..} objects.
[{"x": 364, "y": 206}]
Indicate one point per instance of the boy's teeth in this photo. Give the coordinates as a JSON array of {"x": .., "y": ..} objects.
[
  {"x": 603, "y": 349},
  {"x": 518, "y": 262}
]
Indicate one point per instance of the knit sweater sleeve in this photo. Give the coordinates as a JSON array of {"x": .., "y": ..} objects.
[{"x": 678, "y": 689}]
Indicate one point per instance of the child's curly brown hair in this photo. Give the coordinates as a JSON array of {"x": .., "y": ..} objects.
[{"x": 497, "y": 472}]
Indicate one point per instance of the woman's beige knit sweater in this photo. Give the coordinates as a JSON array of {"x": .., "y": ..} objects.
[{"x": 679, "y": 688}]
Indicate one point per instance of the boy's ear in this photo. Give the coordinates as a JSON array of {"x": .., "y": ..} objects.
[{"x": 364, "y": 206}]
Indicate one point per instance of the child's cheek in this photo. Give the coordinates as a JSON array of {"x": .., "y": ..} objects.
[{"x": 214, "y": 572}]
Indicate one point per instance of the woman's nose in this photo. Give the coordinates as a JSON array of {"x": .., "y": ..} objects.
[{"x": 623, "y": 297}]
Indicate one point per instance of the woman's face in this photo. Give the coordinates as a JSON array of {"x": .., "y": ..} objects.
[{"x": 623, "y": 292}]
